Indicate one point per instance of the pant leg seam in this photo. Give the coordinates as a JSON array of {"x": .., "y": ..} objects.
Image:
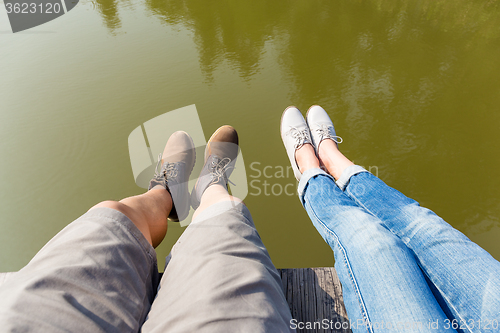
[
  {"x": 448, "y": 302},
  {"x": 361, "y": 302}
]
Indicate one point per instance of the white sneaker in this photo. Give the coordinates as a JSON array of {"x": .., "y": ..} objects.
[
  {"x": 294, "y": 133},
  {"x": 321, "y": 126}
]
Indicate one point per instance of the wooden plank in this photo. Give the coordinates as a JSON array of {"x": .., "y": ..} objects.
[
  {"x": 339, "y": 298},
  {"x": 295, "y": 294},
  {"x": 329, "y": 291},
  {"x": 320, "y": 301},
  {"x": 303, "y": 301},
  {"x": 315, "y": 297},
  {"x": 284, "y": 281},
  {"x": 288, "y": 292},
  {"x": 311, "y": 284},
  {"x": 334, "y": 290}
]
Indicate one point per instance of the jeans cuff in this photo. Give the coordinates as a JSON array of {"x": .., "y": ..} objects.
[
  {"x": 347, "y": 174},
  {"x": 308, "y": 174}
]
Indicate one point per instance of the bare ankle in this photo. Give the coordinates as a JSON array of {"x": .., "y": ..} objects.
[
  {"x": 331, "y": 157},
  {"x": 212, "y": 195},
  {"x": 306, "y": 158}
]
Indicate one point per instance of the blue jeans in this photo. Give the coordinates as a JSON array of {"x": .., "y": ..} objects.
[{"x": 402, "y": 267}]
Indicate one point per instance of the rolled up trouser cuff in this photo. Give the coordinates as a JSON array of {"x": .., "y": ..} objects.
[
  {"x": 347, "y": 174},
  {"x": 308, "y": 174}
]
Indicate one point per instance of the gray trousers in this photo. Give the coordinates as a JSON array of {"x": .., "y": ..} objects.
[{"x": 99, "y": 274}]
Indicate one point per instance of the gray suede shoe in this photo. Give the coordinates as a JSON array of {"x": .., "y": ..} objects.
[
  {"x": 177, "y": 162},
  {"x": 220, "y": 158}
]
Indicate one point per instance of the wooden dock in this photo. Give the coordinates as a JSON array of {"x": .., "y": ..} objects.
[{"x": 314, "y": 296}]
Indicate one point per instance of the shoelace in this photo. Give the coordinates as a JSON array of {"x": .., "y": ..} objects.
[
  {"x": 169, "y": 170},
  {"x": 300, "y": 136},
  {"x": 325, "y": 132},
  {"x": 218, "y": 168}
]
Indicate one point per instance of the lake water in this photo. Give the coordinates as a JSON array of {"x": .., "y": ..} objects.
[{"x": 413, "y": 87}]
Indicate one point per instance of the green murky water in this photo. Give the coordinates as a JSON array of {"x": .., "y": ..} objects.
[{"x": 413, "y": 88}]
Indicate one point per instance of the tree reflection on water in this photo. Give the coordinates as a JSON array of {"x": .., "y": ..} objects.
[
  {"x": 109, "y": 12},
  {"x": 411, "y": 74}
]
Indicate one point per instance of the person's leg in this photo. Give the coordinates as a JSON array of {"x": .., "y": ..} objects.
[
  {"x": 148, "y": 212},
  {"x": 383, "y": 286},
  {"x": 99, "y": 274},
  {"x": 219, "y": 277},
  {"x": 212, "y": 195},
  {"x": 466, "y": 277}
]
